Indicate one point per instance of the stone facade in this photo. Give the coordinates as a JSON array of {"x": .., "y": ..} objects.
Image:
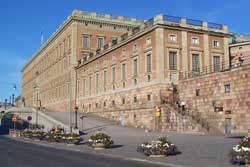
[
  {"x": 221, "y": 98},
  {"x": 46, "y": 76},
  {"x": 117, "y": 67},
  {"x": 240, "y": 49}
]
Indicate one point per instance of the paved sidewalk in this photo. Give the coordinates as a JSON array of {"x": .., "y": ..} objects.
[{"x": 197, "y": 150}]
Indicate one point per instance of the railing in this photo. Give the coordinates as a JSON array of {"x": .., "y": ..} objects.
[
  {"x": 191, "y": 114},
  {"x": 174, "y": 19},
  {"x": 215, "y": 68},
  {"x": 214, "y": 25},
  {"x": 110, "y": 16},
  {"x": 194, "y": 22}
]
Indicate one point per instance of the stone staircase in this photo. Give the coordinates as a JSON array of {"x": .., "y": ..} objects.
[
  {"x": 191, "y": 121},
  {"x": 188, "y": 121}
]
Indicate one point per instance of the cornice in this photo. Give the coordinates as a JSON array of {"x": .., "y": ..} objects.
[{"x": 76, "y": 17}]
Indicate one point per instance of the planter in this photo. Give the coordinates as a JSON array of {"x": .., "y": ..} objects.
[
  {"x": 240, "y": 155},
  {"x": 99, "y": 146},
  {"x": 160, "y": 148},
  {"x": 157, "y": 156},
  {"x": 100, "y": 141}
]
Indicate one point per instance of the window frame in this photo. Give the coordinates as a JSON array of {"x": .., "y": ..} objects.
[
  {"x": 172, "y": 38},
  {"x": 86, "y": 36}
]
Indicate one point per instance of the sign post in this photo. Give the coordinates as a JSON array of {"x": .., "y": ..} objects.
[
  {"x": 14, "y": 119},
  {"x": 157, "y": 117},
  {"x": 29, "y": 118}
]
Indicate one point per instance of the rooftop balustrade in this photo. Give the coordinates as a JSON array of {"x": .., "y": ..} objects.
[{"x": 158, "y": 19}]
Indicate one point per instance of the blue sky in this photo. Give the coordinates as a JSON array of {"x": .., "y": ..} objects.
[{"x": 23, "y": 20}]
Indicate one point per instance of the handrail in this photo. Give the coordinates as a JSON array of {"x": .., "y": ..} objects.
[{"x": 214, "y": 68}]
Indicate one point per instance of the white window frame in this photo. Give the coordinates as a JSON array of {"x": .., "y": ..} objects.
[
  {"x": 83, "y": 41},
  {"x": 195, "y": 41},
  {"x": 172, "y": 38},
  {"x": 148, "y": 42},
  {"x": 103, "y": 41},
  {"x": 214, "y": 43}
]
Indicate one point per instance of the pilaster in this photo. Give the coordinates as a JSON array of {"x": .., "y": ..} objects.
[
  {"x": 207, "y": 56},
  {"x": 159, "y": 54},
  {"x": 184, "y": 51}
]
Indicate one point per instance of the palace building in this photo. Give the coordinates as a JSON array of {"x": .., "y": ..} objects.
[{"x": 122, "y": 68}]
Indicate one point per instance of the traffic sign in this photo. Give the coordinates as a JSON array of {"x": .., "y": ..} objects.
[
  {"x": 14, "y": 119},
  {"x": 29, "y": 118}
]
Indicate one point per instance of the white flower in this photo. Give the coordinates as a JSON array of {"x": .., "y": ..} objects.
[{"x": 166, "y": 145}]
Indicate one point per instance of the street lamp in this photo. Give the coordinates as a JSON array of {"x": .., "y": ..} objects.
[
  {"x": 76, "y": 110},
  {"x": 35, "y": 87},
  {"x": 5, "y": 104}
]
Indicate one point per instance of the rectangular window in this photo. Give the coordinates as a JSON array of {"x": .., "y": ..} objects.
[
  {"x": 216, "y": 63},
  {"x": 227, "y": 88},
  {"x": 90, "y": 85},
  {"x": 172, "y": 60},
  {"x": 113, "y": 74},
  {"x": 197, "y": 92},
  {"x": 69, "y": 42},
  {"x": 135, "y": 68},
  {"x": 149, "y": 97},
  {"x": 148, "y": 42},
  {"x": 149, "y": 63},
  {"x": 135, "y": 47},
  {"x": 123, "y": 100},
  {"x": 123, "y": 71},
  {"x": 84, "y": 87},
  {"x": 216, "y": 44},
  {"x": 64, "y": 47},
  {"x": 97, "y": 82},
  {"x": 195, "y": 41},
  {"x": 172, "y": 38},
  {"x": 100, "y": 42},
  {"x": 135, "y": 99},
  {"x": 85, "y": 41},
  {"x": 195, "y": 62},
  {"x": 104, "y": 80},
  {"x": 123, "y": 52}
]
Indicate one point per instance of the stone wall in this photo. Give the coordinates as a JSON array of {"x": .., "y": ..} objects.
[{"x": 221, "y": 98}]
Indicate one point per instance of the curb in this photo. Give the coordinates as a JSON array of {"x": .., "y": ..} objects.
[{"x": 69, "y": 148}]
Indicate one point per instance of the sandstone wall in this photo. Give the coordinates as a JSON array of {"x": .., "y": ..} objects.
[{"x": 228, "y": 91}]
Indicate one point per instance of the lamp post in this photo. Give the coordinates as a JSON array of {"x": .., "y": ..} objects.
[
  {"x": 5, "y": 104},
  {"x": 76, "y": 110},
  {"x": 13, "y": 99},
  {"x": 35, "y": 87},
  {"x": 69, "y": 105}
]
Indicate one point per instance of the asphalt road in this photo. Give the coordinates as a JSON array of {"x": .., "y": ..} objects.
[{"x": 20, "y": 154}]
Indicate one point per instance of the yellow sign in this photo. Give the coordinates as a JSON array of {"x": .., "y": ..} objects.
[
  {"x": 14, "y": 119},
  {"x": 158, "y": 112},
  {"x": 38, "y": 103}
]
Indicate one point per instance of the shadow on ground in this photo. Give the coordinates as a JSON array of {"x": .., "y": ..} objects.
[
  {"x": 97, "y": 128},
  {"x": 236, "y": 137}
]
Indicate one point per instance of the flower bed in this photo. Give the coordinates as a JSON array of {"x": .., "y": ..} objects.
[
  {"x": 34, "y": 134},
  {"x": 241, "y": 152},
  {"x": 100, "y": 141},
  {"x": 158, "y": 148},
  {"x": 53, "y": 136}
]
